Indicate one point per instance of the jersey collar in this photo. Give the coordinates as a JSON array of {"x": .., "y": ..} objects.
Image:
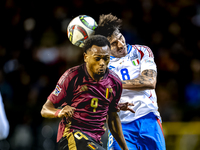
[{"x": 129, "y": 48}]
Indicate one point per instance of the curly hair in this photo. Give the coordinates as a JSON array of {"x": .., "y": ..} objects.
[
  {"x": 98, "y": 40},
  {"x": 108, "y": 25}
]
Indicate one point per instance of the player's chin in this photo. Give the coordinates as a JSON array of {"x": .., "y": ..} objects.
[
  {"x": 101, "y": 72},
  {"x": 124, "y": 53}
]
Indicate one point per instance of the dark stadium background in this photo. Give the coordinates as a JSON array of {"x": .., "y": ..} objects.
[{"x": 35, "y": 51}]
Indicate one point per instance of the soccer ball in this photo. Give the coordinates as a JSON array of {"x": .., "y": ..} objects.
[{"x": 80, "y": 28}]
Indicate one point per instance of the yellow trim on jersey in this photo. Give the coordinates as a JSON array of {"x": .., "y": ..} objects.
[
  {"x": 107, "y": 92},
  {"x": 70, "y": 138},
  {"x": 71, "y": 141}
]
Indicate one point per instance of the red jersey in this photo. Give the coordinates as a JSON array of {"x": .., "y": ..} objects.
[{"x": 91, "y": 105}]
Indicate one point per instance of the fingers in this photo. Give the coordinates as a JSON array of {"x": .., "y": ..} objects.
[
  {"x": 124, "y": 107},
  {"x": 130, "y": 104},
  {"x": 131, "y": 110},
  {"x": 70, "y": 113},
  {"x": 67, "y": 112},
  {"x": 125, "y": 104},
  {"x": 118, "y": 109}
]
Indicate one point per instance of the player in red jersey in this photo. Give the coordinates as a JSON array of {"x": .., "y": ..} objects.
[{"x": 88, "y": 94}]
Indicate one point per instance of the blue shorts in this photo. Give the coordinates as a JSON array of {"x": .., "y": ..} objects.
[{"x": 144, "y": 133}]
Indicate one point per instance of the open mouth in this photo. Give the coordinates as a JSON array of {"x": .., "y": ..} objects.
[
  {"x": 122, "y": 51},
  {"x": 101, "y": 70}
]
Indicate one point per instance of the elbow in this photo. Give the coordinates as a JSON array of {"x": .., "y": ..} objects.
[
  {"x": 42, "y": 112},
  {"x": 152, "y": 84}
]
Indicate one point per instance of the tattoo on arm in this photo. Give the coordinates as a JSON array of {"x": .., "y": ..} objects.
[
  {"x": 149, "y": 73},
  {"x": 146, "y": 77}
]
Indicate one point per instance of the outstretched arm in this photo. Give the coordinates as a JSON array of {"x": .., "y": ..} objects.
[
  {"x": 147, "y": 80},
  {"x": 125, "y": 107},
  {"x": 115, "y": 127},
  {"x": 49, "y": 111}
]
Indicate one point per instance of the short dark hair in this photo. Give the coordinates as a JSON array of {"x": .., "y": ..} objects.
[
  {"x": 108, "y": 24},
  {"x": 98, "y": 40}
]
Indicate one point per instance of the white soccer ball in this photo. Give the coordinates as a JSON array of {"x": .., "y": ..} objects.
[{"x": 80, "y": 28}]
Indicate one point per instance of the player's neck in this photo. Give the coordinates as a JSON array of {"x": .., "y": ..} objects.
[
  {"x": 97, "y": 78},
  {"x": 93, "y": 76}
]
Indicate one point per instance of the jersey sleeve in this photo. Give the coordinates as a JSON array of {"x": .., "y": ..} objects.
[
  {"x": 60, "y": 90},
  {"x": 117, "y": 91},
  {"x": 146, "y": 58}
]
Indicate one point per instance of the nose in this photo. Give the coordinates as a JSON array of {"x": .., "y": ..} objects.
[
  {"x": 120, "y": 44},
  {"x": 102, "y": 62}
]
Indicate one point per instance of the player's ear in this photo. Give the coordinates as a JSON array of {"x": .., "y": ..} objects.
[{"x": 85, "y": 57}]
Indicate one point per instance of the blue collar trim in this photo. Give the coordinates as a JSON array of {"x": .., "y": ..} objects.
[{"x": 129, "y": 48}]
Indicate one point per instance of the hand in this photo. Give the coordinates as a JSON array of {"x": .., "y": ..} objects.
[
  {"x": 66, "y": 111},
  {"x": 124, "y": 107}
]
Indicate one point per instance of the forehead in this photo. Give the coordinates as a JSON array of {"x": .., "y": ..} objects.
[
  {"x": 115, "y": 36},
  {"x": 97, "y": 50}
]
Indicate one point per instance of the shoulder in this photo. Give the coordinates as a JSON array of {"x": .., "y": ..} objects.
[
  {"x": 70, "y": 73},
  {"x": 142, "y": 50},
  {"x": 114, "y": 76}
]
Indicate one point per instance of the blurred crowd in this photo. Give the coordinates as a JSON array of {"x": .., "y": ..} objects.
[{"x": 35, "y": 52}]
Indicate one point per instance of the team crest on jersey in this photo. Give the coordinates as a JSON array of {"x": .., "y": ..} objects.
[
  {"x": 136, "y": 62},
  {"x": 134, "y": 59},
  {"x": 57, "y": 90},
  {"x": 134, "y": 55}
]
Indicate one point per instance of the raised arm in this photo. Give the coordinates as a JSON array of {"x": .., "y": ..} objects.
[
  {"x": 115, "y": 127},
  {"x": 147, "y": 80},
  {"x": 49, "y": 111}
]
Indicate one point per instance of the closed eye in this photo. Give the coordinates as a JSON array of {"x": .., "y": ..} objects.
[
  {"x": 97, "y": 58},
  {"x": 106, "y": 58},
  {"x": 113, "y": 43}
]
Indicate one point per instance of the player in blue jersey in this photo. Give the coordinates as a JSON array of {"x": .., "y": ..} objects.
[{"x": 135, "y": 65}]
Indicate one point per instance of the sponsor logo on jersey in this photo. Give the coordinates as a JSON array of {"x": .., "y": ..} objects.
[
  {"x": 57, "y": 90},
  {"x": 148, "y": 61}
]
